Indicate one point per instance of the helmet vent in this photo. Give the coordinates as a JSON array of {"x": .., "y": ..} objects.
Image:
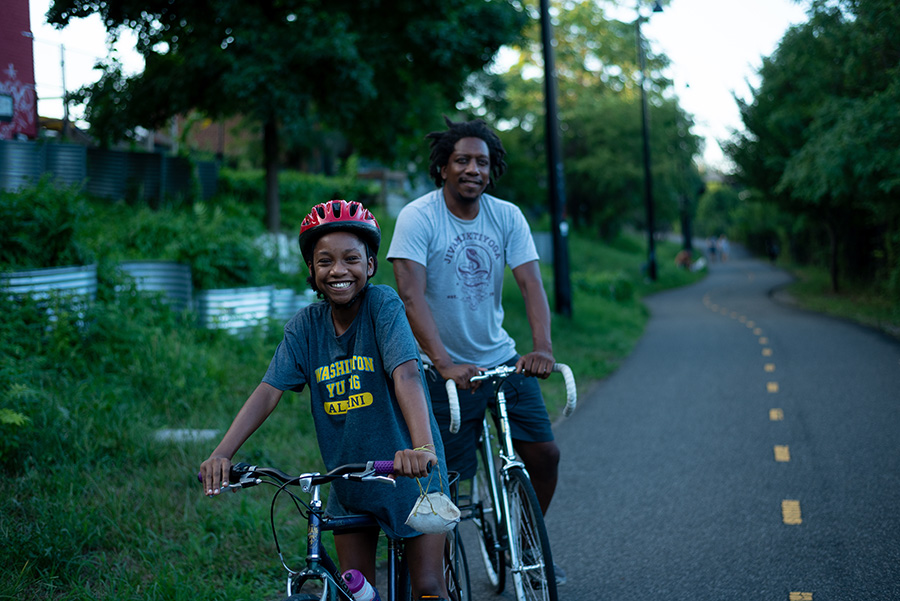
[{"x": 336, "y": 209}]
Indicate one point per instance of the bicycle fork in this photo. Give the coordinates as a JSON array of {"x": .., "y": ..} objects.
[{"x": 509, "y": 461}]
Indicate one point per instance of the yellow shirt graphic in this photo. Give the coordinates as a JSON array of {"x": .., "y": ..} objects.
[{"x": 354, "y": 402}]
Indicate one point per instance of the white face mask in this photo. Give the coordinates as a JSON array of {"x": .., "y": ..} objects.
[{"x": 433, "y": 513}]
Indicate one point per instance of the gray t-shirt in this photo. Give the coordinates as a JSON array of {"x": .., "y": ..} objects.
[
  {"x": 465, "y": 262},
  {"x": 353, "y": 402}
]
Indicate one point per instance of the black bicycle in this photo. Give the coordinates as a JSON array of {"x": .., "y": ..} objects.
[
  {"x": 502, "y": 502},
  {"x": 319, "y": 579}
]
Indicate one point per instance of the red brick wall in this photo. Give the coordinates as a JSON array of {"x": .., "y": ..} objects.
[{"x": 17, "y": 70}]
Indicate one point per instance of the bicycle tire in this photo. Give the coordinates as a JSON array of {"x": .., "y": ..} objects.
[
  {"x": 456, "y": 568},
  {"x": 493, "y": 555},
  {"x": 536, "y": 581},
  {"x": 302, "y": 597}
]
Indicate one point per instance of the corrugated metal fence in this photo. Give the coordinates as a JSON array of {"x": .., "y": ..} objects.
[
  {"x": 113, "y": 174},
  {"x": 236, "y": 310}
]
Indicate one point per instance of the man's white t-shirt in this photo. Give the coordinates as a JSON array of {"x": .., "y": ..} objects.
[{"x": 464, "y": 264}]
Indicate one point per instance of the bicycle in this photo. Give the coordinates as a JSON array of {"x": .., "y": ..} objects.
[
  {"x": 502, "y": 502},
  {"x": 319, "y": 567}
]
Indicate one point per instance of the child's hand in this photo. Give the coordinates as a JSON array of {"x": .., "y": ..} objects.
[
  {"x": 413, "y": 463},
  {"x": 215, "y": 472}
]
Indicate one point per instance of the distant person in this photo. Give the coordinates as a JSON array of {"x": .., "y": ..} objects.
[
  {"x": 450, "y": 250},
  {"x": 683, "y": 259},
  {"x": 724, "y": 248},
  {"x": 711, "y": 248},
  {"x": 772, "y": 249}
]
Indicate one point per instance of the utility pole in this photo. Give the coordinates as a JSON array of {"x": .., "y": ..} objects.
[
  {"x": 562, "y": 285},
  {"x": 645, "y": 128}
]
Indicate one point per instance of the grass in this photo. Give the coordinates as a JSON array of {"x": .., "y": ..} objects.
[
  {"x": 811, "y": 290},
  {"x": 94, "y": 507}
]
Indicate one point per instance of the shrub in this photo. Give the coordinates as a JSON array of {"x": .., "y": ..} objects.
[{"x": 39, "y": 227}]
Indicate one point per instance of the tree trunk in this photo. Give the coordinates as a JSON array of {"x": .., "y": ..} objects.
[
  {"x": 833, "y": 238},
  {"x": 270, "y": 153}
]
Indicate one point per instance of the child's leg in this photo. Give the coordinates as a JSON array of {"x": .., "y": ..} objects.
[
  {"x": 425, "y": 554},
  {"x": 356, "y": 551}
]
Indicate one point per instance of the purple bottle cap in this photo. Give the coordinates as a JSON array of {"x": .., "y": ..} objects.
[{"x": 354, "y": 579}]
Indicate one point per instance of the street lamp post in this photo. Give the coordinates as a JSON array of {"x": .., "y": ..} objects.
[
  {"x": 645, "y": 126},
  {"x": 557, "y": 192}
]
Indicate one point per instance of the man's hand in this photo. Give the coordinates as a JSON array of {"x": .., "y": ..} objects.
[
  {"x": 537, "y": 363},
  {"x": 461, "y": 374}
]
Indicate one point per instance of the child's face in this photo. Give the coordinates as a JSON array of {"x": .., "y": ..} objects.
[{"x": 340, "y": 266}]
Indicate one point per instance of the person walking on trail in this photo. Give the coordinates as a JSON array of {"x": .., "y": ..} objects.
[
  {"x": 449, "y": 252},
  {"x": 357, "y": 343}
]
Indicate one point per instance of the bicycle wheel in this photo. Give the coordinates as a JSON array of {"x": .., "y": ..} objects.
[
  {"x": 492, "y": 552},
  {"x": 535, "y": 579},
  {"x": 456, "y": 568}
]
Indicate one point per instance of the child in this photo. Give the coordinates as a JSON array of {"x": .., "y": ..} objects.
[{"x": 357, "y": 353}]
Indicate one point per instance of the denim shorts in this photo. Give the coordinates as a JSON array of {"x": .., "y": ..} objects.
[{"x": 528, "y": 418}]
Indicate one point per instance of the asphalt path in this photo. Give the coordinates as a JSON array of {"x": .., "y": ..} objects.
[{"x": 745, "y": 450}]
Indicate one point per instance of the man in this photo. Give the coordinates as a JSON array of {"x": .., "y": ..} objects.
[{"x": 449, "y": 251}]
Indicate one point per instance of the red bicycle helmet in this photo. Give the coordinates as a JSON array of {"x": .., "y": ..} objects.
[{"x": 338, "y": 216}]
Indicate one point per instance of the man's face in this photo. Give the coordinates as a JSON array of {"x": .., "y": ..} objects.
[
  {"x": 340, "y": 266},
  {"x": 468, "y": 171}
]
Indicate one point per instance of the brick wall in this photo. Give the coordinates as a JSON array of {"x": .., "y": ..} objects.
[{"x": 17, "y": 71}]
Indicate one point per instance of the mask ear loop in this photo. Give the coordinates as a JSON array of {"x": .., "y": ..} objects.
[{"x": 423, "y": 493}]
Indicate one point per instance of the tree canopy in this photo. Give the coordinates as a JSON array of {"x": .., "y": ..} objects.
[
  {"x": 374, "y": 70},
  {"x": 599, "y": 79},
  {"x": 822, "y": 133}
]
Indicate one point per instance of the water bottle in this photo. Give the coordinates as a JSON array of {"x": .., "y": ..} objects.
[{"x": 360, "y": 587}]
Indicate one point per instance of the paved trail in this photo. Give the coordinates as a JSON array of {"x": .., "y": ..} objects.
[{"x": 745, "y": 450}]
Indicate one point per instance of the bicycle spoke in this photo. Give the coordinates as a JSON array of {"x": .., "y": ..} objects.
[{"x": 533, "y": 567}]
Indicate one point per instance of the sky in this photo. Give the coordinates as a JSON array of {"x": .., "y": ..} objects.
[{"x": 716, "y": 47}]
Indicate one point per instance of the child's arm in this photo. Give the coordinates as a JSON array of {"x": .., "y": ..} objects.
[
  {"x": 411, "y": 397},
  {"x": 256, "y": 409}
]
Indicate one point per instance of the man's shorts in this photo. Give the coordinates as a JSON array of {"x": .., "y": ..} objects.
[{"x": 528, "y": 418}]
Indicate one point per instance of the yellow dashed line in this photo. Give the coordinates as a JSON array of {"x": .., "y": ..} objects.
[
  {"x": 751, "y": 325},
  {"x": 800, "y": 596},
  {"x": 767, "y": 352},
  {"x": 782, "y": 453},
  {"x": 734, "y": 315},
  {"x": 714, "y": 307},
  {"x": 742, "y": 319},
  {"x": 776, "y": 415},
  {"x": 769, "y": 367},
  {"x": 790, "y": 512},
  {"x": 772, "y": 387},
  {"x": 757, "y": 331},
  {"x": 763, "y": 340}
]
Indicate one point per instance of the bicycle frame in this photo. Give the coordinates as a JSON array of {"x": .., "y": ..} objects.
[
  {"x": 506, "y": 482},
  {"x": 507, "y": 454}
]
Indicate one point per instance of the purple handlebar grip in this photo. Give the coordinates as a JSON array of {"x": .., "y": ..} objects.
[
  {"x": 383, "y": 468},
  {"x": 200, "y": 476}
]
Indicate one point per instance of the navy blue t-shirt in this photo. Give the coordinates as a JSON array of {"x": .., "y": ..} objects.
[{"x": 353, "y": 402}]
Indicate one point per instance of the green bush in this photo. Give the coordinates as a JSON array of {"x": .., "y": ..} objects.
[
  {"x": 297, "y": 191},
  {"x": 39, "y": 227}
]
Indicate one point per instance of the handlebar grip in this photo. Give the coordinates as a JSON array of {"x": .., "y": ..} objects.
[
  {"x": 453, "y": 398},
  {"x": 383, "y": 468},
  {"x": 571, "y": 390}
]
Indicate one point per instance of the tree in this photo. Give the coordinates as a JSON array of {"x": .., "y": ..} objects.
[
  {"x": 600, "y": 117},
  {"x": 375, "y": 70},
  {"x": 822, "y": 132}
]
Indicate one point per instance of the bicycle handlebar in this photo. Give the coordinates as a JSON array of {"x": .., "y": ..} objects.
[
  {"x": 244, "y": 475},
  {"x": 503, "y": 371}
]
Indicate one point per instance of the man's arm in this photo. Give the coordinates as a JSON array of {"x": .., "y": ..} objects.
[
  {"x": 411, "y": 278},
  {"x": 540, "y": 361}
]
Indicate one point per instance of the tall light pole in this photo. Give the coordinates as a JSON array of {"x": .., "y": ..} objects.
[
  {"x": 562, "y": 285},
  {"x": 645, "y": 126}
]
